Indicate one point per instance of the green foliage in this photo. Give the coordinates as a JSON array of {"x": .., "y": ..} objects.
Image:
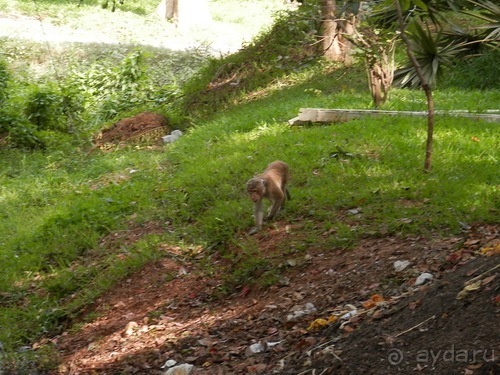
[
  {"x": 432, "y": 53},
  {"x": 44, "y": 108},
  {"x": 436, "y": 40},
  {"x": 19, "y": 131},
  {"x": 114, "y": 89},
  {"x": 489, "y": 13},
  {"x": 38, "y": 116},
  {"x": 463, "y": 73},
  {"x": 4, "y": 78}
]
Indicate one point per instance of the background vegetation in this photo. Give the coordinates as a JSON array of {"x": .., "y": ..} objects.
[{"x": 65, "y": 211}]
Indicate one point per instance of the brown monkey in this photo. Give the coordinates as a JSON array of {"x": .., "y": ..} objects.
[{"x": 270, "y": 184}]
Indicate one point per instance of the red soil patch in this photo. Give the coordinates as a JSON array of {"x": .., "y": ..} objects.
[{"x": 133, "y": 127}]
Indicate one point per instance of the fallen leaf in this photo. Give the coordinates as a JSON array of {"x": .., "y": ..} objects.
[
  {"x": 373, "y": 301},
  {"x": 475, "y": 366},
  {"x": 332, "y": 319},
  {"x": 378, "y": 314},
  {"x": 488, "y": 280},
  {"x": 473, "y": 286},
  {"x": 471, "y": 242},
  {"x": 413, "y": 305},
  {"x": 244, "y": 291},
  {"x": 348, "y": 329},
  {"x": 454, "y": 257},
  {"x": 368, "y": 304},
  {"x": 317, "y": 324},
  {"x": 462, "y": 294},
  {"x": 491, "y": 250},
  {"x": 257, "y": 369},
  {"x": 307, "y": 342}
]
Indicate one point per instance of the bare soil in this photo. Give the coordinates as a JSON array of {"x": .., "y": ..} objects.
[
  {"x": 145, "y": 124},
  {"x": 380, "y": 322}
]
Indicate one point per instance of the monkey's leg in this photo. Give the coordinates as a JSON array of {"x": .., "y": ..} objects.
[
  {"x": 277, "y": 204},
  {"x": 259, "y": 217}
]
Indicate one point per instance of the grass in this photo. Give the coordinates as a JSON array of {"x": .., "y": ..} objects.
[{"x": 66, "y": 214}]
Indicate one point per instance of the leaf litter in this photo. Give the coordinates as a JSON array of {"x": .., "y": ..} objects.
[{"x": 350, "y": 312}]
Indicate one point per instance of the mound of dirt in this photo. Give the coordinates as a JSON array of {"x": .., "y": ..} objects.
[
  {"x": 146, "y": 126},
  {"x": 322, "y": 318}
]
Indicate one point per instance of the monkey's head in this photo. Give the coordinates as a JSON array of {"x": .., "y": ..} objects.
[{"x": 256, "y": 187}]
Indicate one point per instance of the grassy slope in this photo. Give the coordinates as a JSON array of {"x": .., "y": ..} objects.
[{"x": 193, "y": 190}]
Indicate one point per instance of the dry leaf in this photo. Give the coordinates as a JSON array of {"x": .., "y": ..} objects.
[
  {"x": 317, "y": 324},
  {"x": 462, "y": 294},
  {"x": 332, "y": 319},
  {"x": 471, "y": 242},
  {"x": 492, "y": 250},
  {"x": 348, "y": 329},
  {"x": 368, "y": 304},
  {"x": 373, "y": 301},
  {"x": 488, "y": 280},
  {"x": 473, "y": 286},
  {"x": 413, "y": 305},
  {"x": 256, "y": 369}
]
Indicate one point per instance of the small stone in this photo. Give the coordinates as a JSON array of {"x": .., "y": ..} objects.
[{"x": 424, "y": 277}]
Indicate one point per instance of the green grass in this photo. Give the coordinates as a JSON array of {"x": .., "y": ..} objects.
[
  {"x": 197, "y": 185},
  {"x": 65, "y": 213}
]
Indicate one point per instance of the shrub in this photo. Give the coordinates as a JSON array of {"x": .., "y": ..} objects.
[{"x": 44, "y": 108}]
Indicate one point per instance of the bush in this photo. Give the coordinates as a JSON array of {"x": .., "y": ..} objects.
[
  {"x": 44, "y": 108},
  {"x": 18, "y": 130},
  {"x": 464, "y": 73}
]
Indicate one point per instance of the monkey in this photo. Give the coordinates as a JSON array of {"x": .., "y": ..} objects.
[{"x": 270, "y": 184}]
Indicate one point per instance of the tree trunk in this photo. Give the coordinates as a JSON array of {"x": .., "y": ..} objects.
[
  {"x": 425, "y": 86},
  {"x": 329, "y": 29},
  {"x": 335, "y": 46},
  {"x": 380, "y": 66},
  {"x": 169, "y": 9},
  {"x": 187, "y": 14}
]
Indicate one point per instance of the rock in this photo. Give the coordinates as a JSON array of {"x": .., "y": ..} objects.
[
  {"x": 424, "y": 277},
  {"x": 401, "y": 265},
  {"x": 172, "y": 137},
  {"x": 184, "y": 369},
  {"x": 169, "y": 363},
  {"x": 130, "y": 328},
  {"x": 308, "y": 308}
]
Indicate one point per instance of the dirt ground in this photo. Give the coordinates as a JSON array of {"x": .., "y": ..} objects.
[
  {"x": 145, "y": 126},
  {"x": 334, "y": 312}
]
